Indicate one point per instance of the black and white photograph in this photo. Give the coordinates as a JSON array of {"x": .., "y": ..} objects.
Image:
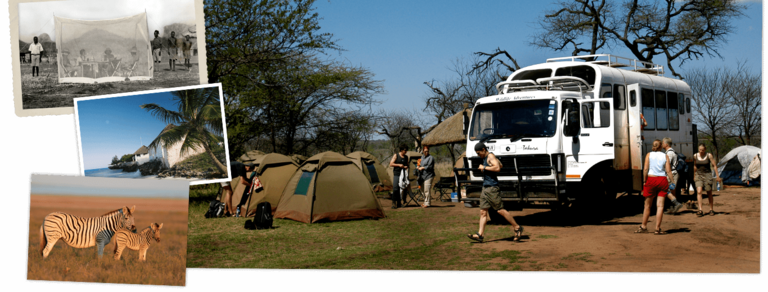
[{"x": 82, "y": 48}]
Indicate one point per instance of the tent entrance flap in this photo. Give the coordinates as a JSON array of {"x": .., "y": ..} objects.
[{"x": 94, "y": 51}]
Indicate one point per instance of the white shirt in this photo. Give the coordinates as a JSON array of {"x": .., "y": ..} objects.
[
  {"x": 656, "y": 163},
  {"x": 672, "y": 159},
  {"x": 35, "y": 48}
]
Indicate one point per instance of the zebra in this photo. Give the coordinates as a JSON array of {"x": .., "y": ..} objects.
[
  {"x": 137, "y": 241},
  {"x": 80, "y": 232}
]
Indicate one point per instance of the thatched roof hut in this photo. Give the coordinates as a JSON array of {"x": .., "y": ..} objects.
[
  {"x": 449, "y": 131},
  {"x": 142, "y": 150}
]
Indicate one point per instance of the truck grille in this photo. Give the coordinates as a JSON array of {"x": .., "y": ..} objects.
[{"x": 529, "y": 165}]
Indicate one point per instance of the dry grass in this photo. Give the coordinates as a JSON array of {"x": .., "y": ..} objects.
[
  {"x": 166, "y": 260},
  {"x": 45, "y": 91}
]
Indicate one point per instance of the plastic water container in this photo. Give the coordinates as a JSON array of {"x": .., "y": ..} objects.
[
  {"x": 718, "y": 186},
  {"x": 454, "y": 197}
]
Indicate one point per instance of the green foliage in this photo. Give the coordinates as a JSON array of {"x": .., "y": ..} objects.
[
  {"x": 126, "y": 158},
  {"x": 115, "y": 160}
]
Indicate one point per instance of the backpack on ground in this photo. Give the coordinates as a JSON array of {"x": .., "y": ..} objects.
[
  {"x": 215, "y": 209},
  {"x": 263, "y": 218}
]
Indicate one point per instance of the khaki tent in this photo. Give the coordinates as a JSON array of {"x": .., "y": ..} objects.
[
  {"x": 273, "y": 170},
  {"x": 298, "y": 158},
  {"x": 373, "y": 170},
  {"x": 413, "y": 156},
  {"x": 250, "y": 156},
  {"x": 328, "y": 186}
]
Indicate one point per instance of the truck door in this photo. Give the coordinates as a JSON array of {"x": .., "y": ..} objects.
[
  {"x": 635, "y": 136},
  {"x": 597, "y": 136}
]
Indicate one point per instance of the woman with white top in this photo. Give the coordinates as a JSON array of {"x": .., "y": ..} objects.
[
  {"x": 655, "y": 174},
  {"x": 703, "y": 165}
]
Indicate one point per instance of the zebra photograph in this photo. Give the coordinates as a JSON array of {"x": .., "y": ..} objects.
[{"x": 75, "y": 220}]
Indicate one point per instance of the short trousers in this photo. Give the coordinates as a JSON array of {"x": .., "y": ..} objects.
[
  {"x": 156, "y": 55},
  {"x": 172, "y": 54},
  {"x": 491, "y": 198},
  {"x": 655, "y": 185},
  {"x": 187, "y": 54},
  {"x": 703, "y": 180},
  {"x": 675, "y": 177},
  {"x": 35, "y": 60}
]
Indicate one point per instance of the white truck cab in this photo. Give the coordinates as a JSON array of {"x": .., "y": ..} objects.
[{"x": 574, "y": 124}]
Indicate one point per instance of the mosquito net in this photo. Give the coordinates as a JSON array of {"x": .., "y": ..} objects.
[{"x": 92, "y": 51}]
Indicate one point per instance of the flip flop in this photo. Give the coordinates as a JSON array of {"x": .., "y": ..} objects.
[
  {"x": 641, "y": 230},
  {"x": 660, "y": 232},
  {"x": 479, "y": 237},
  {"x": 518, "y": 233}
]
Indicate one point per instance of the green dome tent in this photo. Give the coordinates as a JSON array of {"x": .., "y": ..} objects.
[
  {"x": 373, "y": 170},
  {"x": 328, "y": 186},
  {"x": 273, "y": 170}
]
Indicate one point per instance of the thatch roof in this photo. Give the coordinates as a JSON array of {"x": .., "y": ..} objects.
[
  {"x": 449, "y": 131},
  {"x": 142, "y": 150}
]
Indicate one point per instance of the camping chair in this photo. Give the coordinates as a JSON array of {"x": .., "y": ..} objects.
[
  {"x": 115, "y": 66},
  {"x": 443, "y": 188},
  {"x": 130, "y": 70}
]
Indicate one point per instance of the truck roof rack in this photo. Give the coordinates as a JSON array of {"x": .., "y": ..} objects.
[{"x": 615, "y": 62}]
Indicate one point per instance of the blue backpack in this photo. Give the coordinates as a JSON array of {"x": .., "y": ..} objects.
[{"x": 682, "y": 166}]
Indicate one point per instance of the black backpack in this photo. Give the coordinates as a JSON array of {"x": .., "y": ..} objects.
[
  {"x": 682, "y": 166},
  {"x": 263, "y": 218},
  {"x": 215, "y": 209}
]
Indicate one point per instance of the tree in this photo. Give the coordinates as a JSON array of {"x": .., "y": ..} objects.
[
  {"x": 403, "y": 127},
  {"x": 676, "y": 30},
  {"x": 115, "y": 160},
  {"x": 744, "y": 90},
  {"x": 712, "y": 108},
  {"x": 197, "y": 119}
]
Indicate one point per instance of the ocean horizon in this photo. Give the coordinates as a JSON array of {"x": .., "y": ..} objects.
[{"x": 106, "y": 172}]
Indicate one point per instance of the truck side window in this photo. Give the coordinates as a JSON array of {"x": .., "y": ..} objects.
[
  {"x": 673, "y": 113},
  {"x": 632, "y": 98},
  {"x": 688, "y": 105},
  {"x": 649, "y": 111},
  {"x": 619, "y": 101},
  {"x": 681, "y": 103},
  {"x": 661, "y": 110},
  {"x": 605, "y": 90},
  {"x": 590, "y": 117}
]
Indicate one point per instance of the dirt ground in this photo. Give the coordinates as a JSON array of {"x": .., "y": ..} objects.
[{"x": 604, "y": 240}]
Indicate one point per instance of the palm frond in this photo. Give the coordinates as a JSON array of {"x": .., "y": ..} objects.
[{"x": 167, "y": 116}]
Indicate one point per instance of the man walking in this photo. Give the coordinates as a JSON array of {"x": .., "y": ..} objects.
[
  {"x": 491, "y": 196},
  {"x": 427, "y": 169},
  {"x": 157, "y": 45},
  {"x": 35, "y": 49},
  {"x": 666, "y": 145}
]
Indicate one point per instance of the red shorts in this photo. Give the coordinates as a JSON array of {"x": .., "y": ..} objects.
[{"x": 656, "y": 185}]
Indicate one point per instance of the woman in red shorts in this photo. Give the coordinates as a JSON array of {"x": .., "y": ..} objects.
[{"x": 655, "y": 174}]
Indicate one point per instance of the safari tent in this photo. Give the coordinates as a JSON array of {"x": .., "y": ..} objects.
[
  {"x": 328, "y": 187},
  {"x": 273, "y": 170},
  {"x": 298, "y": 158},
  {"x": 413, "y": 156},
  {"x": 251, "y": 156},
  {"x": 741, "y": 166},
  {"x": 373, "y": 170},
  {"x": 92, "y": 51}
]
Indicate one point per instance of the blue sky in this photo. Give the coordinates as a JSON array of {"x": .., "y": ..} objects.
[
  {"x": 406, "y": 43},
  {"x": 108, "y": 187},
  {"x": 118, "y": 126}
]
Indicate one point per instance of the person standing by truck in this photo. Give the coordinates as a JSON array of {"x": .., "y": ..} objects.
[
  {"x": 427, "y": 169},
  {"x": 656, "y": 173},
  {"x": 491, "y": 196},
  {"x": 703, "y": 177},
  {"x": 666, "y": 145}
]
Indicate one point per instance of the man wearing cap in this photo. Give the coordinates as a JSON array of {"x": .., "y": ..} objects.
[
  {"x": 491, "y": 196},
  {"x": 35, "y": 48},
  {"x": 157, "y": 45}
]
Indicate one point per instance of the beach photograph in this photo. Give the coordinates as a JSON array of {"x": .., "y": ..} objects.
[
  {"x": 163, "y": 134},
  {"x": 79, "y": 48},
  {"x": 107, "y": 230}
]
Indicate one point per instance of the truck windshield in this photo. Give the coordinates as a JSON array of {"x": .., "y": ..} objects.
[{"x": 514, "y": 120}]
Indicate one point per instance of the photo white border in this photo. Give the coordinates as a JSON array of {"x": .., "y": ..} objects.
[
  {"x": 135, "y": 93},
  {"x": 13, "y": 9}
]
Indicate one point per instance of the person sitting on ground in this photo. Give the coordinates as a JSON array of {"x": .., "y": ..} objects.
[
  {"x": 236, "y": 169},
  {"x": 427, "y": 169},
  {"x": 399, "y": 164},
  {"x": 666, "y": 145},
  {"x": 703, "y": 165},
  {"x": 656, "y": 173},
  {"x": 491, "y": 196},
  {"x": 246, "y": 179}
]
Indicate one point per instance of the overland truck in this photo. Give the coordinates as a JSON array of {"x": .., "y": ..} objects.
[{"x": 569, "y": 130}]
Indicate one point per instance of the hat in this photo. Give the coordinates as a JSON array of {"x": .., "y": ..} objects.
[
  {"x": 251, "y": 163},
  {"x": 480, "y": 146},
  {"x": 107, "y": 51}
]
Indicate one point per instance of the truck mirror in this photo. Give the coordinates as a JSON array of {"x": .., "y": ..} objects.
[
  {"x": 465, "y": 127},
  {"x": 572, "y": 123}
]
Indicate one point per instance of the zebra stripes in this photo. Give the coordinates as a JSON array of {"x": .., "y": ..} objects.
[
  {"x": 137, "y": 241},
  {"x": 83, "y": 232}
]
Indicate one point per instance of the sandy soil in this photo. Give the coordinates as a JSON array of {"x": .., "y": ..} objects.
[{"x": 604, "y": 240}]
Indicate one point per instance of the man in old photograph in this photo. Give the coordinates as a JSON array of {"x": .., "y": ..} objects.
[{"x": 35, "y": 49}]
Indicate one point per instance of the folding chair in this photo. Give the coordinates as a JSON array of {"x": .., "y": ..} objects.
[
  {"x": 115, "y": 64},
  {"x": 443, "y": 188},
  {"x": 130, "y": 70}
]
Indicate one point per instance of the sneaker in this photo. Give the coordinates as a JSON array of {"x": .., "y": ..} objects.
[{"x": 675, "y": 209}]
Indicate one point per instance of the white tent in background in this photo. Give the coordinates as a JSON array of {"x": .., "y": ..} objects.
[
  {"x": 112, "y": 50},
  {"x": 740, "y": 166}
]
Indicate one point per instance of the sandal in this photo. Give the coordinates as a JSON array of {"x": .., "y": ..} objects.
[
  {"x": 699, "y": 213},
  {"x": 660, "y": 232},
  {"x": 641, "y": 229},
  {"x": 518, "y": 233},
  {"x": 711, "y": 212},
  {"x": 479, "y": 237}
]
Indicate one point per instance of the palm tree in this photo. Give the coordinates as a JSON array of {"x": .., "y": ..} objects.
[{"x": 198, "y": 121}]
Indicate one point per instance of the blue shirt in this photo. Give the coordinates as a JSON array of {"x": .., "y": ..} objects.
[{"x": 490, "y": 179}]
